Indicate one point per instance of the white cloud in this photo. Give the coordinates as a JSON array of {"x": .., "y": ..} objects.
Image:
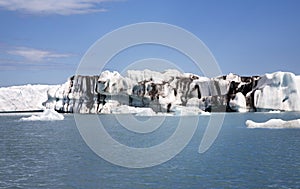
[
  {"x": 61, "y": 7},
  {"x": 36, "y": 55}
]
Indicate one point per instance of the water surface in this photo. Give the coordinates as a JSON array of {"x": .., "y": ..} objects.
[{"x": 52, "y": 154}]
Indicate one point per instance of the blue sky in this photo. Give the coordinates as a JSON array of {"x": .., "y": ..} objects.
[{"x": 43, "y": 41}]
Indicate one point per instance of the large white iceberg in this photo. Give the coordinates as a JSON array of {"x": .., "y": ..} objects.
[
  {"x": 24, "y": 98},
  {"x": 168, "y": 91},
  {"x": 278, "y": 91}
]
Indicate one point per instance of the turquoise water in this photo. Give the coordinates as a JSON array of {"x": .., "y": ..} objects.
[{"x": 52, "y": 154}]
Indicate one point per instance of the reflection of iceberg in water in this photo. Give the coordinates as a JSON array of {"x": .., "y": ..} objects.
[
  {"x": 274, "y": 124},
  {"x": 47, "y": 115}
]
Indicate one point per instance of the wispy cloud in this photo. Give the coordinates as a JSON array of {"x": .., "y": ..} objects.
[
  {"x": 26, "y": 58},
  {"x": 37, "y": 55},
  {"x": 60, "y": 7}
]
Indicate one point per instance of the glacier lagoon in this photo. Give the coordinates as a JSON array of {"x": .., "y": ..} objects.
[
  {"x": 252, "y": 150},
  {"x": 52, "y": 154}
]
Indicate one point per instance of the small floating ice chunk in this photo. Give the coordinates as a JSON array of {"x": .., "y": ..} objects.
[
  {"x": 186, "y": 110},
  {"x": 145, "y": 112},
  {"x": 124, "y": 109},
  {"x": 47, "y": 115},
  {"x": 274, "y": 124},
  {"x": 274, "y": 111}
]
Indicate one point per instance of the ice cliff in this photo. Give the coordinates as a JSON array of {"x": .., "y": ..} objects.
[
  {"x": 23, "y": 98},
  {"x": 150, "y": 91},
  {"x": 277, "y": 91},
  {"x": 172, "y": 90}
]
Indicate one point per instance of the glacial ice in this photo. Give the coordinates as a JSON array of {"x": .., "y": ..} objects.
[
  {"x": 186, "y": 111},
  {"x": 274, "y": 124},
  {"x": 156, "y": 77},
  {"x": 238, "y": 103},
  {"x": 274, "y": 111},
  {"x": 162, "y": 92},
  {"x": 24, "y": 98},
  {"x": 47, "y": 115},
  {"x": 145, "y": 112},
  {"x": 278, "y": 91}
]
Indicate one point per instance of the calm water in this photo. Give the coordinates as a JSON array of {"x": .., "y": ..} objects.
[{"x": 52, "y": 154}]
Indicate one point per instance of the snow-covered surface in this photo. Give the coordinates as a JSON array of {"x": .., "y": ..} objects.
[
  {"x": 47, "y": 115},
  {"x": 278, "y": 91},
  {"x": 238, "y": 103},
  {"x": 24, "y": 98},
  {"x": 274, "y": 124}
]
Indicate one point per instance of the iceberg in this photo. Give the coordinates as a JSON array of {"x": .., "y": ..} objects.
[
  {"x": 186, "y": 111},
  {"x": 159, "y": 91},
  {"x": 114, "y": 107},
  {"x": 145, "y": 112},
  {"x": 238, "y": 103},
  {"x": 277, "y": 91},
  {"x": 24, "y": 98},
  {"x": 47, "y": 115},
  {"x": 274, "y": 111},
  {"x": 162, "y": 92},
  {"x": 274, "y": 124}
]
